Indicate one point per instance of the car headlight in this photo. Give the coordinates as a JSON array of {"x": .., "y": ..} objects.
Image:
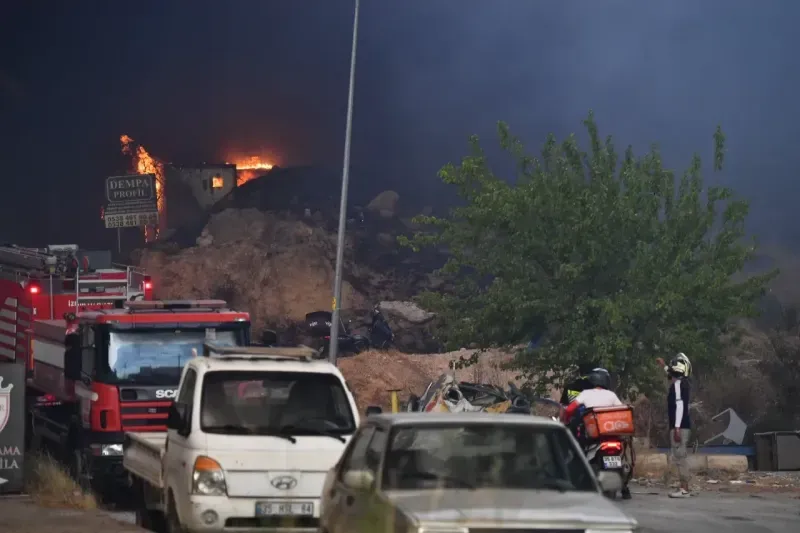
[
  {"x": 208, "y": 478},
  {"x": 111, "y": 449}
]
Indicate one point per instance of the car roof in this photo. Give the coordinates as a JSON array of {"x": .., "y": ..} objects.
[
  {"x": 209, "y": 364},
  {"x": 435, "y": 419}
]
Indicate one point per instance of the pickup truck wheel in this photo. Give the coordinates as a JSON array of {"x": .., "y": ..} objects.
[
  {"x": 151, "y": 520},
  {"x": 173, "y": 521}
]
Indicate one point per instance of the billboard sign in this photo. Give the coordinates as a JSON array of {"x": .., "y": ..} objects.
[
  {"x": 12, "y": 427},
  {"x": 131, "y": 201}
]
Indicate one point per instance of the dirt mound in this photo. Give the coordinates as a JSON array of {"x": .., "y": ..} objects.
[
  {"x": 372, "y": 374},
  {"x": 276, "y": 268},
  {"x": 280, "y": 265}
]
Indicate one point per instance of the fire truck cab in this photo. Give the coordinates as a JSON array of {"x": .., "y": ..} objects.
[{"x": 102, "y": 358}]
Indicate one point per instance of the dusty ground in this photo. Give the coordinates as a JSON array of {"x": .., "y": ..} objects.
[
  {"x": 726, "y": 482},
  {"x": 21, "y": 515},
  {"x": 711, "y": 511}
]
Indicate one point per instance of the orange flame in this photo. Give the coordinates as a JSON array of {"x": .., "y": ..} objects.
[
  {"x": 144, "y": 163},
  {"x": 250, "y": 168}
]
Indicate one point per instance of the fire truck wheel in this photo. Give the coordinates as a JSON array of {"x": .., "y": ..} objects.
[
  {"x": 33, "y": 439},
  {"x": 79, "y": 471}
]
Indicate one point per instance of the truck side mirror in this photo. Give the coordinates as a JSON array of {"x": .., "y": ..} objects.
[
  {"x": 177, "y": 418},
  {"x": 72, "y": 357}
]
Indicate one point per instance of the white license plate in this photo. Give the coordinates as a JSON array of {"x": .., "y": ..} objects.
[
  {"x": 284, "y": 508},
  {"x": 612, "y": 462}
]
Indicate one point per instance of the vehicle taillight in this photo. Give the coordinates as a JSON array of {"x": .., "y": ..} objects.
[
  {"x": 611, "y": 446},
  {"x": 147, "y": 285},
  {"x": 34, "y": 289}
]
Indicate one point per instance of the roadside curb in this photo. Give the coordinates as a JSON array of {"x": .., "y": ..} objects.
[{"x": 657, "y": 463}]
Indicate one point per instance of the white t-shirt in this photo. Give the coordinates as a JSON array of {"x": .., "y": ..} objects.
[{"x": 598, "y": 398}]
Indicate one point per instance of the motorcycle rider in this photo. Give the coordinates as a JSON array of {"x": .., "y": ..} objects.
[
  {"x": 579, "y": 384},
  {"x": 599, "y": 395}
]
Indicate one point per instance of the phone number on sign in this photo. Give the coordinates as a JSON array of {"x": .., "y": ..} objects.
[{"x": 128, "y": 221}]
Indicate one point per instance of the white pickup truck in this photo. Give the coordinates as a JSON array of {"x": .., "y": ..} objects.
[{"x": 251, "y": 436}]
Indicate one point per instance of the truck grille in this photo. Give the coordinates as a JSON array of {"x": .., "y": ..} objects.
[{"x": 144, "y": 416}]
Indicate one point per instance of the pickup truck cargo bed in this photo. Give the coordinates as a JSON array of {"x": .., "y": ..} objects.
[{"x": 142, "y": 456}]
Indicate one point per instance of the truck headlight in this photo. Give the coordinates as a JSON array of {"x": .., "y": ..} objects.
[
  {"x": 208, "y": 478},
  {"x": 111, "y": 449}
]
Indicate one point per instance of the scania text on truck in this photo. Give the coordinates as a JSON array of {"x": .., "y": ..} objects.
[{"x": 252, "y": 436}]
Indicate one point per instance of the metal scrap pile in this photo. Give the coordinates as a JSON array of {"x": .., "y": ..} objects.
[{"x": 447, "y": 395}]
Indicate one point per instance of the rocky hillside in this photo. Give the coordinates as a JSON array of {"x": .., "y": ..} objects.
[{"x": 279, "y": 265}]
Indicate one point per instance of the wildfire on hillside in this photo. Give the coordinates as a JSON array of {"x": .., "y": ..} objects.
[
  {"x": 144, "y": 163},
  {"x": 250, "y": 168}
]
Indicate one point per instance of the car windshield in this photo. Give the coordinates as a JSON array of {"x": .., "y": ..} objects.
[
  {"x": 287, "y": 404},
  {"x": 498, "y": 456},
  {"x": 153, "y": 357}
]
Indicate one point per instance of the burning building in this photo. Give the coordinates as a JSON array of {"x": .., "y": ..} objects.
[
  {"x": 207, "y": 183},
  {"x": 191, "y": 190}
]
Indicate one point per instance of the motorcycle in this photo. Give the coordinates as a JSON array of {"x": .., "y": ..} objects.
[
  {"x": 318, "y": 325},
  {"x": 606, "y": 435}
]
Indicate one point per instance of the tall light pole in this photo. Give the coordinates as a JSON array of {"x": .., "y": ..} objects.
[{"x": 333, "y": 345}]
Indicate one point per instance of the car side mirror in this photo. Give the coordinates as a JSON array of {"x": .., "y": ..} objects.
[
  {"x": 358, "y": 480},
  {"x": 177, "y": 418},
  {"x": 72, "y": 357},
  {"x": 609, "y": 481},
  {"x": 374, "y": 410}
]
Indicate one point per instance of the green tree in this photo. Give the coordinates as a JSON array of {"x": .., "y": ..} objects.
[{"x": 610, "y": 258}]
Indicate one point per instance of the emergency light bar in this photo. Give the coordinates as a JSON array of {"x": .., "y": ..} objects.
[
  {"x": 296, "y": 353},
  {"x": 174, "y": 305}
]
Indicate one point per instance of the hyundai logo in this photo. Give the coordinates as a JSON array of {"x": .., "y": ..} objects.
[{"x": 284, "y": 482}]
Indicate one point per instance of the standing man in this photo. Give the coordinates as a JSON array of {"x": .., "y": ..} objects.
[{"x": 680, "y": 423}]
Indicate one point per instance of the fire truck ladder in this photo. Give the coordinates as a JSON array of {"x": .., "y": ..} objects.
[
  {"x": 91, "y": 287},
  {"x": 25, "y": 260},
  {"x": 102, "y": 285}
]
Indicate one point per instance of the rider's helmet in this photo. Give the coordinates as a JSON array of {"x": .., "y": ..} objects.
[
  {"x": 584, "y": 369},
  {"x": 599, "y": 377},
  {"x": 680, "y": 366}
]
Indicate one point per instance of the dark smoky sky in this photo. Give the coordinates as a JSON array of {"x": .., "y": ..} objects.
[{"x": 201, "y": 81}]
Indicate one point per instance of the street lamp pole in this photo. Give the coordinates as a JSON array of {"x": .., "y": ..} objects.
[{"x": 333, "y": 345}]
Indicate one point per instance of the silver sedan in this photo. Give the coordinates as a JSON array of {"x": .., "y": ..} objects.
[{"x": 467, "y": 473}]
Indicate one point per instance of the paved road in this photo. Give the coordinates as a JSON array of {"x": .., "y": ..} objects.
[
  {"x": 709, "y": 512},
  {"x": 714, "y": 512}
]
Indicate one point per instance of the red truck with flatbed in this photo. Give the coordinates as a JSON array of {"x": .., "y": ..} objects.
[{"x": 102, "y": 357}]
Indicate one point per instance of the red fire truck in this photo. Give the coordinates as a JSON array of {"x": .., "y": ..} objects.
[{"x": 102, "y": 357}]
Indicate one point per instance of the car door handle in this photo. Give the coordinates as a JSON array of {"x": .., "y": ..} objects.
[{"x": 349, "y": 500}]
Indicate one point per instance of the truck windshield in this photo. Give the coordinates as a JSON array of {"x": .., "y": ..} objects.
[
  {"x": 156, "y": 357},
  {"x": 288, "y": 404}
]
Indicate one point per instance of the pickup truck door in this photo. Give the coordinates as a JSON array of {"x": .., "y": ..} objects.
[{"x": 178, "y": 458}]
